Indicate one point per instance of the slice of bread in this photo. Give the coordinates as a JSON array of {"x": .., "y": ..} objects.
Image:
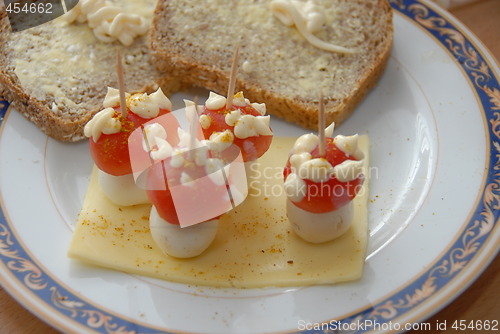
[
  {"x": 57, "y": 74},
  {"x": 195, "y": 41}
]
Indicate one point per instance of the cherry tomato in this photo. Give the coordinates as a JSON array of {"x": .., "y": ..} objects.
[
  {"x": 330, "y": 195},
  {"x": 161, "y": 198},
  {"x": 251, "y": 148},
  {"x": 158, "y": 191},
  {"x": 111, "y": 152}
]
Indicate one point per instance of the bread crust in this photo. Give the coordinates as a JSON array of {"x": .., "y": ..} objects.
[
  {"x": 66, "y": 125},
  {"x": 174, "y": 70},
  {"x": 301, "y": 111}
]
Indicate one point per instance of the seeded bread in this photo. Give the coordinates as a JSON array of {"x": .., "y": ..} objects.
[
  {"x": 195, "y": 40},
  {"x": 57, "y": 74}
]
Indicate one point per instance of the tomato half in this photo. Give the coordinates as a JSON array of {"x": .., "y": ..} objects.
[
  {"x": 331, "y": 195},
  {"x": 200, "y": 196},
  {"x": 251, "y": 148},
  {"x": 111, "y": 152}
]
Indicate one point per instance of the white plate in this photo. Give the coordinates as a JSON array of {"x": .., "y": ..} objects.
[{"x": 434, "y": 123}]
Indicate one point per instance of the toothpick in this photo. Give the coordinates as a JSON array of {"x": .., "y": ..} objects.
[
  {"x": 232, "y": 79},
  {"x": 321, "y": 127},
  {"x": 121, "y": 83},
  {"x": 193, "y": 130}
]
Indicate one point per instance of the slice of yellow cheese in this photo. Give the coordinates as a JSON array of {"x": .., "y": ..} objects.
[{"x": 254, "y": 246}]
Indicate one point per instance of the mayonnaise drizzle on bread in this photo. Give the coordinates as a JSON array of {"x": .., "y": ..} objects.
[
  {"x": 308, "y": 18},
  {"x": 108, "y": 22}
]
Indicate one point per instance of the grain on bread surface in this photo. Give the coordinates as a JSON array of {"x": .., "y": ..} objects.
[
  {"x": 195, "y": 40},
  {"x": 57, "y": 74}
]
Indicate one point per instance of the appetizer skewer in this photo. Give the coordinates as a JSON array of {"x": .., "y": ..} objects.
[
  {"x": 109, "y": 132},
  {"x": 244, "y": 125},
  {"x": 320, "y": 186},
  {"x": 238, "y": 121},
  {"x": 184, "y": 176}
]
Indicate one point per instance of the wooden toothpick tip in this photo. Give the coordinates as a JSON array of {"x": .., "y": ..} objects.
[
  {"x": 232, "y": 78},
  {"x": 193, "y": 131},
  {"x": 321, "y": 127},
  {"x": 121, "y": 83}
]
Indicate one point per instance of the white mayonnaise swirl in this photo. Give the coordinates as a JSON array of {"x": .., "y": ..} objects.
[
  {"x": 305, "y": 143},
  {"x": 260, "y": 107},
  {"x": 303, "y": 166},
  {"x": 215, "y": 101},
  {"x": 348, "y": 170},
  {"x": 159, "y": 149},
  {"x": 248, "y": 125},
  {"x": 148, "y": 106},
  {"x": 219, "y": 141},
  {"x": 349, "y": 145},
  {"x": 316, "y": 170},
  {"x": 112, "y": 98},
  {"x": 108, "y": 22},
  {"x": 162, "y": 150},
  {"x": 102, "y": 122},
  {"x": 141, "y": 104},
  {"x": 308, "y": 18},
  {"x": 205, "y": 121},
  {"x": 311, "y": 14},
  {"x": 151, "y": 134},
  {"x": 239, "y": 100},
  {"x": 177, "y": 157},
  {"x": 245, "y": 126},
  {"x": 329, "y": 130},
  {"x": 154, "y": 141},
  {"x": 298, "y": 159},
  {"x": 295, "y": 188}
]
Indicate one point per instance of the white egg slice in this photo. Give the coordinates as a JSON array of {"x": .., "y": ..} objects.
[
  {"x": 181, "y": 242},
  {"x": 320, "y": 227},
  {"x": 122, "y": 189}
]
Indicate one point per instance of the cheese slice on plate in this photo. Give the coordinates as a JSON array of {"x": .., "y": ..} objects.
[{"x": 254, "y": 246}]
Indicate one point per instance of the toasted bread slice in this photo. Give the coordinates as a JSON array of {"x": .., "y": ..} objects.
[
  {"x": 194, "y": 41},
  {"x": 57, "y": 74}
]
